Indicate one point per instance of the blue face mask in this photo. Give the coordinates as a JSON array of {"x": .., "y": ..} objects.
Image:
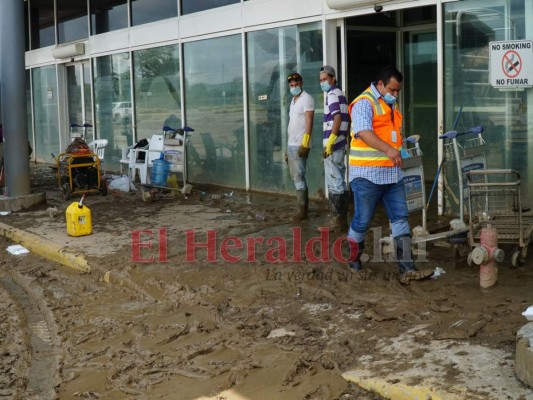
[
  {"x": 325, "y": 86},
  {"x": 295, "y": 91},
  {"x": 389, "y": 99}
]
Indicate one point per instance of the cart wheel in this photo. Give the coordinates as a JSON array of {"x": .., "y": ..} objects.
[
  {"x": 147, "y": 196},
  {"x": 103, "y": 188},
  {"x": 469, "y": 260},
  {"x": 516, "y": 259},
  {"x": 66, "y": 192},
  {"x": 461, "y": 250}
]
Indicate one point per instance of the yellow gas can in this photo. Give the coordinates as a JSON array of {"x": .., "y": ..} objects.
[{"x": 78, "y": 219}]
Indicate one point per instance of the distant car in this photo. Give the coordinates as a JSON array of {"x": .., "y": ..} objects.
[{"x": 121, "y": 110}]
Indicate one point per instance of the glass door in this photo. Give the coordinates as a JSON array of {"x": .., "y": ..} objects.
[
  {"x": 79, "y": 102},
  {"x": 420, "y": 93}
]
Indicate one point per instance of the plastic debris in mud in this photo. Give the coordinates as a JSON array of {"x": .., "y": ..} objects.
[
  {"x": 17, "y": 249},
  {"x": 230, "y": 194},
  {"x": 216, "y": 196},
  {"x": 52, "y": 212},
  {"x": 438, "y": 272},
  {"x": 528, "y": 313},
  {"x": 260, "y": 216}
]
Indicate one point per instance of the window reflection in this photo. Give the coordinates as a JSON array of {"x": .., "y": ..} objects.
[
  {"x": 42, "y": 23},
  {"x": 108, "y": 15},
  {"x": 144, "y": 11},
  {"x": 272, "y": 55},
  {"x": 72, "y": 20},
  {"x": 192, "y": 6},
  {"x": 214, "y": 105},
  {"x": 45, "y": 112},
  {"x": 469, "y": 28},
  {"x": 112, "y": 95},
  {"x": 157, "y": 90}
]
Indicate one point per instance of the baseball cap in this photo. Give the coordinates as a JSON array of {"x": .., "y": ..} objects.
[
  {"x": 328, "y": 69},
  {"x": 295, "y": 76}
]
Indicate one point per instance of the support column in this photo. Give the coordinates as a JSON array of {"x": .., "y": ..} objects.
[{"x": 13, "y": 87}]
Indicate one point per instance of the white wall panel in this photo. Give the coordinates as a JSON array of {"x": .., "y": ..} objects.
[
  {"x": 154, "y": 32},
  {"x": 270, "y": 11},
  {"x": 211, "y": 21},
  {"x": 39, "y": 56},
  {"x": 111, "y": 41}
]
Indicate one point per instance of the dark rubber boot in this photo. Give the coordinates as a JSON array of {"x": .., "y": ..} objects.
[
  {"x": 302, "y": 199},
  {"x": 337, "y": 223},
  {"x": 355, "y": 263},
  {"x": 408, "y": 272}
]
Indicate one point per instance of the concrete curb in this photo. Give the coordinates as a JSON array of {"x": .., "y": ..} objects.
[
  {"x": 400, "y": 391},
  {"x": 45, "y": 248}
]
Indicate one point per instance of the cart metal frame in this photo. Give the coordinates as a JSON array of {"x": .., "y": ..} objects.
[
  {"x": 494, "y": 199},
  {"x": 69, "y": 165},
  {"x": 176, "y": 154}
]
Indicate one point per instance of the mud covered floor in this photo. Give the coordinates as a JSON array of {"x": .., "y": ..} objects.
[{"x": 220, "y": 328}]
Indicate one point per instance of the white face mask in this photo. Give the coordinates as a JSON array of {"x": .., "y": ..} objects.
[
  {"x": 295, "y": 91},
  {"x": 389, "y": 99}
]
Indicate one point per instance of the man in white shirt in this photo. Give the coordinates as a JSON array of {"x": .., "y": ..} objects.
[{"x": 301, "y": 114}]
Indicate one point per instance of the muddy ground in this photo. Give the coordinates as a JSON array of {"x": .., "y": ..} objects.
[{"x": 250, "y": 328}]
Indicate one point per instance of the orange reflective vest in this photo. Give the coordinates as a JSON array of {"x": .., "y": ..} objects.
[{"x": 385, "y": 121}]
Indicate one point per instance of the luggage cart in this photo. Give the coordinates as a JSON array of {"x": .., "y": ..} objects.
[
  {"x": 494, "y": 198},
  {"x": 466, "y": 155},
  {"x": 79, "y": 173},
  {"x": 415, "y": 192},
  {"x": 174, "y": 151}
]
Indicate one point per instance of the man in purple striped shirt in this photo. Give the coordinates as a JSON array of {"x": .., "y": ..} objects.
[{"x": 336, "y": 124}]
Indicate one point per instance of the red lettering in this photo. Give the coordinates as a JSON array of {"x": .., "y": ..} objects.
[
  {"x": 191, "y": 245},
  {"x": 236, "y": 243},
  {"x": 250, "y": 248},
  {"x": 137, "y": 245},
  {"x": 163, "y": 245},
  {"x": 337, "y": 249},
  {"x": 324, "y": 247},
  {"x": 296, "y": 244},
  {"x": 279, "y": 253}
]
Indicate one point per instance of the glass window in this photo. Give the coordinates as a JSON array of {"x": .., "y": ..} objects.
[
  {"x": 45, "y": 111},
  {"x": 108, "y": 15},
  {"x": 28, "y": 113},
  {"x": 192, "y": 6},
  {"x": 112, "y": 99},
  {"x": 157, "y": 90},
  {"x": 506, "y": 114},
  {"x": 214, "y": 109},
  {"x": 42, "y": 23},
  {"x": 72, "y": 23},
  {"x": 272, "y": 55},
  {"x": 144, "y": 11}
]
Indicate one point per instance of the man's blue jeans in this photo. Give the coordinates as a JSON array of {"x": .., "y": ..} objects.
[
  {"x": 297, "y": 166},
  {"x": 335, "y": 169},
  {"x": 367, "y": 195}
]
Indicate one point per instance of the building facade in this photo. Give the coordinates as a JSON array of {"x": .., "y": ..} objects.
[{"x": 128, "y": 67}]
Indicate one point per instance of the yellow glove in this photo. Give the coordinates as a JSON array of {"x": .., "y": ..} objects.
[
  {"x": 328, "y": 149},
  {"x": 303, "y": 150}
]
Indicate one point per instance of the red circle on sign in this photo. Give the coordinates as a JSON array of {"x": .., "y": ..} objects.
[{"x": 511, "y": 67}]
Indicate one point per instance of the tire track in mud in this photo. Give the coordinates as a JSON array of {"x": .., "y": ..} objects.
[{"x": 42, "y": 372}]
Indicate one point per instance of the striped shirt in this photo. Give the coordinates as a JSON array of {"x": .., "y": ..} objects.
[
  {"x": 335, "y": 103},
  {"x": 362, "y": 116}
]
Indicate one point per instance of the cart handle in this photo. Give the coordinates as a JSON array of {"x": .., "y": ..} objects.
[
  {"x": 486, "y": 172},
  {"x": 475, "y": 130},
  {"x": 413, "y": 139},
  {"x": 85, "y": 125}
]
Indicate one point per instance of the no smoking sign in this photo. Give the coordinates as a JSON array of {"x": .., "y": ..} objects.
[{"x": 511, "y": 64}]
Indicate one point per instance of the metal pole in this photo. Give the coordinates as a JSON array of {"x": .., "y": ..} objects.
[{"x": 13, "y": 85}]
